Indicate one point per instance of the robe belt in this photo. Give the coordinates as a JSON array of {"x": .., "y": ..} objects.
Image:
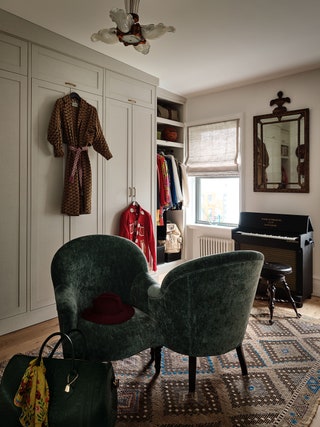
[{"x": 77, "y": 163}]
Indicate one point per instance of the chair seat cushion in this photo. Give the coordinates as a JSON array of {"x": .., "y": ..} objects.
[{"x": 116, "y": 342}]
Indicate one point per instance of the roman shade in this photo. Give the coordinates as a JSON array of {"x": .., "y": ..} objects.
[{"x": 213, "y": 149}]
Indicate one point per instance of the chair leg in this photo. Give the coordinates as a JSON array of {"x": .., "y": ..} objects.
[
  {"x": 157, "y": 359},
  {"x": 155, "y": 354},
  {"x": 242, "y": 360},
  {"x": 152, "y": 354},
  {"x": 192, "y": 373}
]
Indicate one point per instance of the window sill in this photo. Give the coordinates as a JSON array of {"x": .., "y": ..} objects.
[{"x": 209, "y": 227}]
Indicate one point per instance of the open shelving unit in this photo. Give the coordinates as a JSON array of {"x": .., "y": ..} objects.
[{"x": 170, "y": 120}]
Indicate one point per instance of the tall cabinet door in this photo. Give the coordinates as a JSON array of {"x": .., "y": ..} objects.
[
  {"x": 142, "y": 156},
  {"x": 49, "y": 228},
  {"x": 119, "y": 168},
  {"x": 129, "y": 174},
  {"x": 13, "y": 193}
]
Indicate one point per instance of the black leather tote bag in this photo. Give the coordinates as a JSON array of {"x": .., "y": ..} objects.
[{"x": 82, "y": 393}]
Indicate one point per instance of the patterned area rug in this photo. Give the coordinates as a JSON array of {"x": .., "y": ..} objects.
[{"x": 282, "y": 388}]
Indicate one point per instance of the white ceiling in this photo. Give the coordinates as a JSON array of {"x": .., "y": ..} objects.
[{"x": 218, "y": 44}]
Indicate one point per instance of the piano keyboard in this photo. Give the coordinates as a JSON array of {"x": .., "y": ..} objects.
[{"x": 269, "y": 236}]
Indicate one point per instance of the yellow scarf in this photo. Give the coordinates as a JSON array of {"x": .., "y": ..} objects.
[{"x": 33, "y": 396}]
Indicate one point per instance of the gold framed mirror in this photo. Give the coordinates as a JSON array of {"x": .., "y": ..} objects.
[{"x": 281, "y": 149}]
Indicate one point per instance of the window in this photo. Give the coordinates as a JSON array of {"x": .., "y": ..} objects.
[{"x": 213, "y": 162}]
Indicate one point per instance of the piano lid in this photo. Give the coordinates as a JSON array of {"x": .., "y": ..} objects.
[{"x": 274, "y": 223}]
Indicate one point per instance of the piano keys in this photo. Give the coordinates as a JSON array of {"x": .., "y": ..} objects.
[{"x": 282, "y": 238}]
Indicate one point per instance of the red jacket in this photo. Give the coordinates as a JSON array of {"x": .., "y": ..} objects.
[{"x": 136, "y": 225}]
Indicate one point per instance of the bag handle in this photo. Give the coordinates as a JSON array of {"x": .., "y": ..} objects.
[
  {"x": 62, "y": 336},
  {"x": 69, "y": 333},
  {"x": 73, "y": 375}
]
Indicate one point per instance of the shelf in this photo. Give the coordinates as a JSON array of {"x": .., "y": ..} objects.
[
  {"x": 169, "y": 122},
  {"x": 170, "y": 144}
]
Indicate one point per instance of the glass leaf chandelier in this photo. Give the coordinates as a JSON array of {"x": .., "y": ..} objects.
[{"x": 128, "y": 30}]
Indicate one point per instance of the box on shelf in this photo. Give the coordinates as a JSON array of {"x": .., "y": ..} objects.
[{"x": 172, "y": 256}]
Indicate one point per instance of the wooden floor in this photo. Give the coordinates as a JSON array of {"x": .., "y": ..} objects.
[
  {"x": 26, "y": 339},
  {"x": 32, "y": 337}
]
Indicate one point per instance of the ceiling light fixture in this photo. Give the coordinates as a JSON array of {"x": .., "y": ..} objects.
[{"x": 128, "y": 30}]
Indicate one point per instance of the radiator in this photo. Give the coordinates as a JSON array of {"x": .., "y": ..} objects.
[{"x": 213, "y": 245}]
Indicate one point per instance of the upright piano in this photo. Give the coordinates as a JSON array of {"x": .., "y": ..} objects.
[{"x": 286, "y": 239}]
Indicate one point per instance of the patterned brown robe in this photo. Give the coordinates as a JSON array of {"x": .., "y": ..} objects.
[{"x": 78, "y": 127}]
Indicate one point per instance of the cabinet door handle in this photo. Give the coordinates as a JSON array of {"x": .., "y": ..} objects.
[
  {"x": 130, "y": 191},
  {"x": 134, "y": 192},
  {"x": 132, "y": 100}
]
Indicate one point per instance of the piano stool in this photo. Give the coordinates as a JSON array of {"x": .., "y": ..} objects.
[{"x": 275, "y": 274}]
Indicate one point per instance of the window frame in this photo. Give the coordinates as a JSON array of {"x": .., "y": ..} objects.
[{"x": 198, "y": 204}]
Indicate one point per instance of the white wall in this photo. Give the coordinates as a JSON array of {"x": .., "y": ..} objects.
[{"x": 251, "y": 100}]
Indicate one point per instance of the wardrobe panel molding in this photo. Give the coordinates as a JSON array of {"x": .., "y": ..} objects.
[
  {"x": 13, "y": 194},
  {"x": 57, "y": 68},
  {"x": 131, "y": 90},
  {"x": 13, "y": 54}
]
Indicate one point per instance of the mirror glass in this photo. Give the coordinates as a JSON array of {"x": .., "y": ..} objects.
[{"x": 281, "y": 152}]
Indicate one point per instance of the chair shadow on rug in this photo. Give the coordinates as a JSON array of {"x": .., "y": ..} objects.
[
  {"x": 99, "y": 271},
  {"x": 203, "y": 306}
]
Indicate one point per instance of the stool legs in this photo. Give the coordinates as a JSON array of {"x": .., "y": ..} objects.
[
  {"x": 293, "y": 303},
  {"x": 272, "y": 292}
]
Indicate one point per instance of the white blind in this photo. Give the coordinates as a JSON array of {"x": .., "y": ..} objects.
[{"x": 213, "y": 149}]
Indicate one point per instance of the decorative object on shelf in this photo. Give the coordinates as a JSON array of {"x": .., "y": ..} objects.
[
  {"x": 166, "y": 112},
  {"x": 163, "y": 112},
  {"x": 169, "y": 133},
  {"x": 173, "y": 242},
  {"x": 129, "y": 31}
]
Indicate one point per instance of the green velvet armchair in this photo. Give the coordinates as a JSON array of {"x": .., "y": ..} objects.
[
  {"x": 203, "y": 306},
  {"x": 89, "y": 266}
]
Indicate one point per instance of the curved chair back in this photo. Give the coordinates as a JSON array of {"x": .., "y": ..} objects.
[
  {"x": 203, "y": 305},
  {"x": 90, "y": 265}
]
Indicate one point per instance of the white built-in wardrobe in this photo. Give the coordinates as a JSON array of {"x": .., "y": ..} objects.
[{"x": 36, "y": 68}]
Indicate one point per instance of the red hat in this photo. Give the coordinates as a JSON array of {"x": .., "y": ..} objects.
[{"x": 108, "y": 308}]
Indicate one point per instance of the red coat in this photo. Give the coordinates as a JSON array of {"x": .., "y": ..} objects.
[{"x": 136, "y": 225}]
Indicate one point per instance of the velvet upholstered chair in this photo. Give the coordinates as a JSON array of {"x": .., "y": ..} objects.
[
  {"x": 202, "y": 306},
  {"x": 87, "y": 267}
]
